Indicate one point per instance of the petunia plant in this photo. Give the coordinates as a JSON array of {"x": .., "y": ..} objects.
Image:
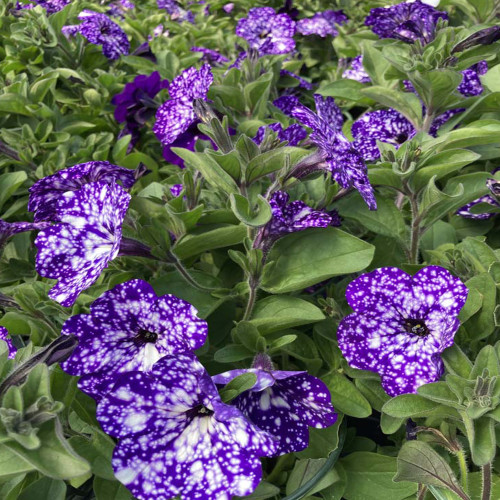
[{"x": 249, "y": 250}]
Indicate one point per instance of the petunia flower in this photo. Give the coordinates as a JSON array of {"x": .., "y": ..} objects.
[
  {"x": 401, "y": 324},
  {"x": 266, "y": 31},
  {"x": 176, "y": 11},
  {"x": 45, "y": 193},
  {"x": 135, "y": 105},
  {"x": 118, "y": 8},
  {"x": 50, "y": 6},
  {"x": 176, "y": 115},
  {"x": 129, "y": 328},
  {"x": 283, "y": 403},
  {"x": 356, "y": 71},
  {"x": 341, "y": 157},
  {"x": 8, "y": 229},
  {"x": 177, "y": 438},
  {"x": 385, "y": 125},
  {"x": 405, "y": 21},
  {"x": 210, "y": 56},
  {"x": 10, "y": 346},
  {"x": 492, "y": 199},
  {"x": 322, "y": 23},
  {"x": 291, "y": 217},
  {"x": 99, "y": 29},
  {"x": 293, "y": 134},
  {"x": 86, "y": 238},
  {"x": 303, "y": 84},
  {"x": 471, "y": 84}
]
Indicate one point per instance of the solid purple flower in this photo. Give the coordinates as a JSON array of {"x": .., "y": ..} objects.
[
  {"x": 266, "y": 31},
  {"x": 356, "y": 71},
  {"x": 342, "y": 159},
  {"x": 401, "y": 325},
  {"x": 471, "y": 84},
  {"x": 130, "y": 328},
  {"x": 99, "y": 29},
  {"x": 50, "y": 6},
  {"x": 10, "y": 346},
  {"x": 283, "y": 403},
  {"x": 8, "y": 229},
  {"x": 177, "y": 114},
  {"x": 210, "y": 56},
  {"x": 176, "y": 436},
  {"x": 46, "y": 192},
  {"x": 85, "y": 240},
  {"x": 492, "y": 199},
  {"x": 322, "y": 23},
  {"x": 385, "y": 125},
  {"x": 293, "y": 134},
  {"x": 135, "y": 104},
  {"x": 303, "y": 84},
  {"x": 405, "y": 21}
]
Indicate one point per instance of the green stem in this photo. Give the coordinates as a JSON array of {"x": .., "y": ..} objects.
[
  {"x": 429, "y": 118},
  {"x": 252, "y": 296},
  {"x": 415, "y": 229},
  {"x": 462, "y": 463},
  {"x": 486, "y": 470},
  {"x": 281, "y": 464},
  {"x": 185, "y": 274}
]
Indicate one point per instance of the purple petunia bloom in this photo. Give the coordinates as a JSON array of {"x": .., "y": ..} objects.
[
  {"x": 177, "y": 114},
  {"x": 471, "y": 84},
  {"x": 322, "y": 23},
  {"x": 287, "y": 103},
  {"x": 405, "y": 21},
  {"x": 386, "y": 125},
  {"x": 266, "y": 31},
  {"x": 50, "y": 6},
  {"x": 356, "y": 71},
  {"x": 210, "y": 56},
  {"x": 46, "y": 192},
  {"x": 176, "y": 436},
  {"x": 176, "y": 11},
  {"x": 8, "y": 229},
  {"x": 343, "y": 160},
  {"x": 283, "y": 403},
  {"x": 129, "y": 328},
  {"x": 291, "y": 217},
  {"x": 10, "y": 346},
  {"x": 303, "y": 84},
  {"x": 293, "y": 134},
  {"x": 118, "y": 8},
  {"x": 176, "y": 189},
  {"x": 492, "y": 199},
  {"x": 401, "y": 325},
  {"x": 99, "y": 29},
  {"x": 135, "y": 104},
  {"x": 85, "y": 240}
]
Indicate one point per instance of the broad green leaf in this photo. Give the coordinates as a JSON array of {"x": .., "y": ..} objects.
[
  {"x": 280, "y": 312},
  {"x": 408, "y": 405},
  {"x": 305, "y": 470},
  {"x": 231, "y": 353},
  {"x": 308, "y": 257},
  {"x": 245, "y": 213},
  {"x": 110, "y": 490},
  {"x": 239, "y": 384},
  {"x": 456, "y": 361},
  {"x": 345, "y": 89},
  {"x": 372, "y": 390},
  {"x": 9, "y": 184},
  {"x": 44, "y": 489},
  {"x": 263, "y": 491},
  {"x": 369, "y": 477},
  {"x": 346, "y": 397},
  {"x": 482, "y": 324},
  {"x": 323, "y": 441},
  {"x": 439, "y": 392},
  {"x": 11, "y": 464},
  {"x": 483, "y": 443}
]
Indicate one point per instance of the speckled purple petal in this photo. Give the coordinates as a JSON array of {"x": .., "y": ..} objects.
[
  {"x": 329, "y": 111},
  {"x": 466, "y": 211},
  {"x": 191, "y": 84},
  {"x": 10, "y": 346},
  {"x": 322, "y": 23},
  {"x": 471, "y": 84},
  {"x": 172, "y": 119},
  {"x": 356, "y": 71},
  {"x": 76, "y": 250}
]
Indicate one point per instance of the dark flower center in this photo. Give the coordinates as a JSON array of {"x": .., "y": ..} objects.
[
  {"x": 400, "y": 138},
  {"x": 200, "y": 411},
  {"x": 145, "y": 337},
  {"x": 416, "y": 327}
]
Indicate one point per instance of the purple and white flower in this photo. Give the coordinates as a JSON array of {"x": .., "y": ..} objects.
[
  {"x": 401, "y": 324},
  {"x": 8, "y": 229},
  {"x": 293, "y": 134},
  {"x": 10, "y": 346},
  {"x": 471, "y": 84},
  {"x": 210, "y": 56},
  {"x": 176, "y": 12},
  {"x": 283, "y": 403},
  {"x": 405, "y": 21},
  {"x": 129, "y": 328},
  {"x": 303, "y": 84},
  {"x": 322, "y": 23},
  {"x": 45, "y": 193},
  {"x": 175, "y": 116},
  {"x": 356, "y": 71},
  {"x": 86, "y": 238},
  {"x": 176, "y": 436},
  {"x": 266, "y": 31},
  {"x": 99, "y": 29},
  {"x": 50, "y": 6},
  {"x": 492, "y": 199}
]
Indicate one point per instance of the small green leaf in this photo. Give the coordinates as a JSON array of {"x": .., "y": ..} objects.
[
  {"x": 239, "y": 384},
  {"x": 110, "y": 490},
  {"x": 241, "y": 208},
  {"x": 9, "y": 184},
  {"x": 346, "y": 397},
  {"x": 305, "y": 470}
]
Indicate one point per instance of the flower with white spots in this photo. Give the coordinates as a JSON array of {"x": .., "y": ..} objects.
[
  {"x": 401, "y": 325},
  {"x": 177, "y": 438},
  {"x": 85, "y": 239},
  {"x": 356, "y": 71},
  {"x": 283, "y": 403},
  {"x": 8, "y": 229},
  {"x": 129, "y": 328},
  {"x": 493, "y": 200},
  {"x": 322, "y": 23},
  {"x": 10, "y": 346}
]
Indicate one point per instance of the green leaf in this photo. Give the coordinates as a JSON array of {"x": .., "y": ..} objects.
[
  {"x": 323, "y": 441},
  {"x": 263, "y": 491},
  {"x": 231, "y": 353},
  {"x": 483, "y": 443},
  {"x": 14, "y": 103},
  {"x": 11, "y": 464},
  {"x": 194, "y": 244},
  {"x": 372, "y": 390},
  {"x": 456, "y": 361},
  {"x": 408, "y": 405},
  {"x": 241, "y": 208},
  {"x": 110, "y": 490},
  {"x": 308, "y": 257},
  {"x": 305, "y": 470},
  {"x": 239, "y": 384},
  {"x": 439, "y": 392},
  {"x": 390, "y": 425},
  {"x": 9, "y": 184},
  {"x": 346, "y": 397},
  {"x": 375, "y": 64},
  {"x": 280, "y": 312},
  {"x": 369, "y": 477},
  {"x": 44, "y": 489},
  {"x": 229, "y": 162},
  {"x": 419, "y": 463},
  {"x": 486, "y": 359},
  {"x": 345, "y": 89}
]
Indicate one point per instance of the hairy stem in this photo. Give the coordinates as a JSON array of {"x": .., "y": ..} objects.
[
  {"x": 415, "y": 229},
  {"x": 486, "y": 471},
  {"x": 252, "y": 295},
  {"x": 185, "y": 274},
  {"x": 462, "y": 463}
]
